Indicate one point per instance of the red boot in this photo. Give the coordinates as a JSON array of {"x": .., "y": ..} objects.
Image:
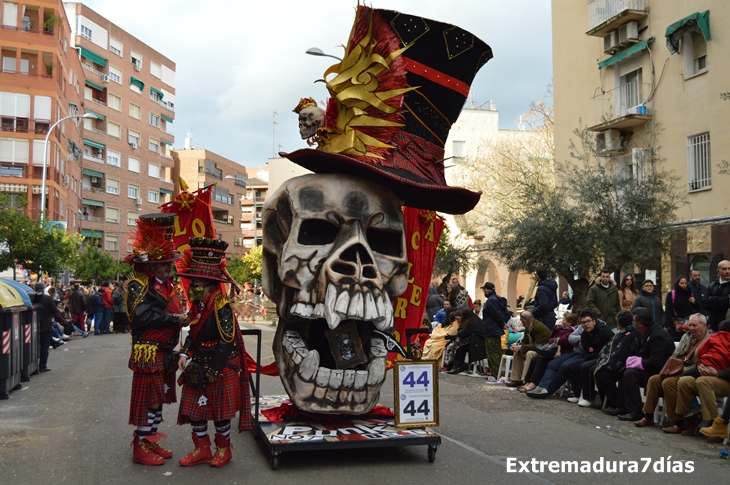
[
  {"x": 223, "y": 450},
  {"x": 201, "y": 453},
  {"x": 158, "y": 449},
  {"x": 142, "y": 451}
]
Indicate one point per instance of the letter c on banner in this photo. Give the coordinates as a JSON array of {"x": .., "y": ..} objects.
[
  {"x": 416, "y": 241},
  {"x": 198, "y": 228}
]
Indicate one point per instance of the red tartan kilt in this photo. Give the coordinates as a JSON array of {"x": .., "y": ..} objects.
[
  {"x": 223, "y": 399},
  {"x": 147, "y": 390}
]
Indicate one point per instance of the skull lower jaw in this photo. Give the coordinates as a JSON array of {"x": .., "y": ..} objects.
[{"x": 309, "y": 374}]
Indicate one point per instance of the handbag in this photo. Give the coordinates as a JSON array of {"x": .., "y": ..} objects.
[
  {"x": 680, "y": 324},
  {"x": 547, "y": 350},
  {"x": 195, "y": 375},
  {"x": 673, "y": 367}
]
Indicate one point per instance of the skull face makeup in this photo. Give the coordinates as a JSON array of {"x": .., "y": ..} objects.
[
  {"x": 334, "y": 254},
  {"x": 310, "y": 119}
]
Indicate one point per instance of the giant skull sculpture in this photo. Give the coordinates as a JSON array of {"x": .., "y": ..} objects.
[{"x": 334, "y": 259}]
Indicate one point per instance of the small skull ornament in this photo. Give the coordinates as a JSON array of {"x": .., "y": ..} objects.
[
  {"x": 334, "y": 260},
  {"x": 310, "y": 119}
]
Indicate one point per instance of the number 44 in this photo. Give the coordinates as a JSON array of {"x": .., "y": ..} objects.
[
  {"x": 422, "y": 408},
  {"x": 422, "y": 379}
]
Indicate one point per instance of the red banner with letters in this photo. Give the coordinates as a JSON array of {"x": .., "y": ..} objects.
[
  {"x": 423, "y": 232},
  {"x": 194, "y": 216}
]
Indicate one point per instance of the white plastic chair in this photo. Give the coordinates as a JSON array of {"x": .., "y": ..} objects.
[{"x": 505, "y": 366}]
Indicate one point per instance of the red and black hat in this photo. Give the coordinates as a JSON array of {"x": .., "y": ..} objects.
[
  {"x": 394, "y": 97},
  {"x": 205, "y": 258},
  {"x": 152, "y": 241}
]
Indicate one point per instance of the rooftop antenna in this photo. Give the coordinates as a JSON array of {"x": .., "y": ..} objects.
[
  {"x": 521, "y": 125},
  {"x": 189, "y": 140},
  {"x": 273, "y": 135}
]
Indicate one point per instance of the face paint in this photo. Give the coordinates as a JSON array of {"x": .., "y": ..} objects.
[{"x": 195, "y": 292}]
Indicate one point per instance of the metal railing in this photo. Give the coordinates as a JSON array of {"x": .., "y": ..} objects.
[
  {"x": 93, "y": 158},
  {"x": 621, "y": 101},
  {"x": 92, "y": 69},
  {"x": 599, "y": 11},
  {"x": 98, "y": 132}
]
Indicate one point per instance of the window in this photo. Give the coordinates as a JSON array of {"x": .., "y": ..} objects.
[
  {"x": 155, "y": 97},
  {"x": 114, "y": 102},
  {"x": 694, "y": 53},
  {"x": 133, "y": 138},
  {"x": 698, "y": 161},
  {"x": 113, "y": 158},
  {"x": 135, "y": 111},
  {"x": 9, "y": 65},
  {"x": 154, "y": 120},
  {"x": 10, "y": 14},
  {"x": 14, "y": 150},
  {"x": 155, "y": 69},
  {"x": 113, "y": 129},
  {"x": 136, "y": 59},
  {"x": 115, "y": 47},
  {"x": 38, "y": 153},
  {"x": 111, "y": 242},
  {"x": 153, "y": 170},
  {"x": 132, "y": 220},
  {"x": 133, "y": 191},
  {"x": 153, "y": 196},
  {"x": 112, "y": 186},
  {"x": 154, "y": 145},
  {"x": 112, "y": 215},
  {"x": 133, "y": 165},
  {"x": 115, "y": 74},
  {"x": 86, "y": 32}
]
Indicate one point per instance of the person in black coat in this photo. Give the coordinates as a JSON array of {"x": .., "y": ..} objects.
[
  {"x": 679, "y": 304},
  {"x": 546, "y": 299},
  {"x": 699, "y": 291},
  {"x": 717, "y": 300},
  {"x": 648, "y": 299},
  {"x": 494, "y": 321},
  {"x": 595, "y": 335},
  {"x": 656, "y": 348},
  {"x": 46, "y": 314},
  {"x": 434, "y": 303},
  {"x": 612, "y": 361},
  {"x": 471, "y": 336}
]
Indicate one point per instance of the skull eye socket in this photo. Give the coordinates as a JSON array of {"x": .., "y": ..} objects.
[
  {"x": 385, "y": 242},
  {"x": 317, "y": 232}
]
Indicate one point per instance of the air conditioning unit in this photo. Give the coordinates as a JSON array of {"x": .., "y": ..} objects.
[
  {"x": 610, "y": 42},
  {"x": 609, "y": 140},
  {"x": 133, "y": 145},
  {"x": 628, "y": 33},
  {"x": 139, "y": 200},
  {"x": 104, "y": 78},
  {"x": 137, "y": 66},
  {"x": 66, "y": 180},
  {"x": 94, "y": 180}
]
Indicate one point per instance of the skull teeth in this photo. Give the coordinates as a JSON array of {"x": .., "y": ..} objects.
[{"x": 328, "y": 387}]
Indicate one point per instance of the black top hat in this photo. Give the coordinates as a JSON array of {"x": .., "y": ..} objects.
[
  {"x": 206, "y": 259},
  {"x": 394, "y": 97}
]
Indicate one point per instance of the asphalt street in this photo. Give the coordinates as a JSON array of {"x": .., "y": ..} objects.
[{"x": 70, "y": 426}]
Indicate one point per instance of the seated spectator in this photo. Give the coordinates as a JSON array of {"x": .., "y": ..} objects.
[
  {"x": 478, "y": 308},
  {"x": 459, "y": 298},
  {"x": 434, "y": 347},
  {"x": 612, "y": 362},
  {"x": 565, "y": 300},
  {"x": 535, "y": 333},
  {"x": 679, "y": 304},
  {"x": 659, "y": 386},
  {"x": 648, "y": 299},
  {"x": 440, "y": 316},
  {"x": 708, "y": 381},
  {"x": 468, "y": 340},
  {"x": 718, "y": 430},
  {"x": 595, "y": 335},
  {"x": 656, "y": 347},
  {"x": 556, "y": 373},
  {"x": 561, "y": 333}
]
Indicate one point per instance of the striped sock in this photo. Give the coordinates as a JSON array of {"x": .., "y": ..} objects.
[
  {"x": 158, "y": 419},
  {"x": 200, "y": 428},
  {"x": 223, "y": 427},
  {"x": 144, "y": 431}
]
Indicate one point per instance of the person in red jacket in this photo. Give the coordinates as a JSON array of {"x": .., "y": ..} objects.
[{"x": 106, "y": 298}]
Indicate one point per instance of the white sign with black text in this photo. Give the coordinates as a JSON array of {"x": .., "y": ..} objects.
[{"x": 416, "y": 393}]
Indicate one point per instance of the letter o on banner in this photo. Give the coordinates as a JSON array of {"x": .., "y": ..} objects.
[{"x": 198, "y": 228}]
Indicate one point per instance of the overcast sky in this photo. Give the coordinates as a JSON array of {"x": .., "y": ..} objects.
[{"x": 239, "y": 61}]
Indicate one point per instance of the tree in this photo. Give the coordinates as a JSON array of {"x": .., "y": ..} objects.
[
  {"x": 451, "y": 259},
  {"x": 248, "y": 268},
  {"x": 54, "y": 252},
  {"x": 18, "y": 238},
  {"x": 95, "y": 264}
]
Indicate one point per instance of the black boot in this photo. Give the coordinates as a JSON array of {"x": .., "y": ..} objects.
[{"x": 456, "y": 370}]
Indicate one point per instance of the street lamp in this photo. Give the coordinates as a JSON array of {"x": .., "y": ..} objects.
[
  {"x": 316, "y": 51},
  {"x": 45, "y": 160},
  {"x": 253, "y": 192},
  {"x": 119, "y": 238}
]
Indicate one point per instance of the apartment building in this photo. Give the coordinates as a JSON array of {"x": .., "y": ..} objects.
[
  {"x": 127, "y": 165},
  {"x": 237, "y": 198},
  {"x": 620, "y": 64},
  {"x": 41, "y": 83}
]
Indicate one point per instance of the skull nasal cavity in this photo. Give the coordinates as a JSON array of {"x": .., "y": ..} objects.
[{"x": 351, "y": 254}]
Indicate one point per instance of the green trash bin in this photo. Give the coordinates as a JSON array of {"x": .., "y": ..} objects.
[
  {"x": 31, "y": 340},
  {"x": 11, "y": 350}
]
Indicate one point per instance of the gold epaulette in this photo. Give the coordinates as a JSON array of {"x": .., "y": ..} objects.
[
  {"x": 226, "y": 329},
  {"x": 135, "y": 293}
]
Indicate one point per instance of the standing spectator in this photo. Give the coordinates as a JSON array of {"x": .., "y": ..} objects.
[
  {"x": 459, "y": 298},
  {"x": 656, "y": 347},
  {"x": 612, "y": 362},
  {"x": 648, "y": 299},
  {"x": 120, "y": 312},
  {"x": 478, "y": 308},
  {"x": 96, "y": 308},
  {"x": 627, "y": 292},
  {"x": 494, "y": 321},
  {"x": 77, "y": 306},
  {"x": 433, "y": 303},
  {"x": 699, "y": 291},
  {"x": 679, "y": 304},
  {"x": 546, "y": 298},
  {"x": 717, "y": 301},
  {"x": 46, "y": 315},
  {"x": 535, "y": 333},
  {"x": 595, "y": 335},
  {"x": 603, "y": 298},
  {"x": 106, "y": 298}
]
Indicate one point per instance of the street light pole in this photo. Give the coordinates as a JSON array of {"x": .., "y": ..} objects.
[
  {"x": 119, "y": 239},
  {"x": 45, "y": 161},
  {"x": 253, "y": 193}
]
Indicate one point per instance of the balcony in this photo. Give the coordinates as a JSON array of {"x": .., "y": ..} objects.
[
  {"x": 607, "y": 15},
  {"x": 94, "y": 158},
  {"x": 621, "y": 108}
]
